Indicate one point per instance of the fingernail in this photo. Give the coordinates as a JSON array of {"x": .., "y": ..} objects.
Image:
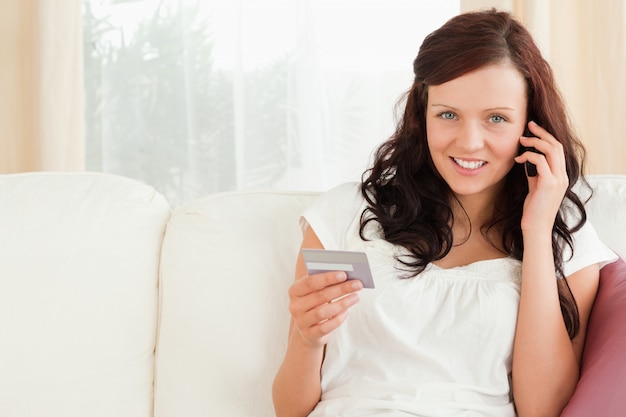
[
  {"x": 341, "y": 276},
  {"x": 357, "y": 285}
]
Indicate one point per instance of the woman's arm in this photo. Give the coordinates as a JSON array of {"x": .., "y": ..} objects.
[
  {"x": 545, "y": 361},
  {"x": 318, "y": 305}
]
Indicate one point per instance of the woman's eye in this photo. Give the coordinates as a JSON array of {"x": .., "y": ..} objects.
[
  {"x": 496, "y": 118},
  {"x": 448, "y": 115}
]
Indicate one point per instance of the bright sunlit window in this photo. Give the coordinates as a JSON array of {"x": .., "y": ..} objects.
[{"x": 196, "y": 96}]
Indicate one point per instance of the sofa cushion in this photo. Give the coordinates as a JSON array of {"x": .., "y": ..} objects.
[
  {"x": 226, "y": 264},
  {"x": 602, "y": 385},
  {"x": 605, "y": 209},
  {"x": 78, "y": 294}
]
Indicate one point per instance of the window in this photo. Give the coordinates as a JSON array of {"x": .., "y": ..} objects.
[{"x": 196, "y": 97}]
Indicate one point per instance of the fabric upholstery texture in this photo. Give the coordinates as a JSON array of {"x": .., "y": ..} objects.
[
  {"x": 78, "y": 295},
  {"x": 607, "y": 210},
  {"x": 226, "y": 264}
]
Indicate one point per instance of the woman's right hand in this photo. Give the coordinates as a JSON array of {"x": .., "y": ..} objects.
[{"x": 319, "y": 304}]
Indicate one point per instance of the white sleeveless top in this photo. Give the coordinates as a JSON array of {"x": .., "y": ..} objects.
[{"x": 439, "y": 344}]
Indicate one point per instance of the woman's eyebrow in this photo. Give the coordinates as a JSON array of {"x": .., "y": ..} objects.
[
  {"x": 501, "y": 108},
  {"x": 489, "y": 109},
  {"x": 443, "y": 105}
]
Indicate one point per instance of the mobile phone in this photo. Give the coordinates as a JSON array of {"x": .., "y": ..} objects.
[
  {"x": 531, "y": 169},
  {"x": 354, "y": 264}
]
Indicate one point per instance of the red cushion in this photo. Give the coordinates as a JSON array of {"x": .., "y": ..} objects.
[{"x": 601, "y": 390}]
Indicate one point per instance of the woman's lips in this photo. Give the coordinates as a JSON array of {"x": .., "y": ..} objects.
[{"x": 467, "y": 164}]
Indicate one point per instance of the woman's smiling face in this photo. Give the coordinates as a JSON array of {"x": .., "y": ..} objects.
[{"x": 473, "y": 125}]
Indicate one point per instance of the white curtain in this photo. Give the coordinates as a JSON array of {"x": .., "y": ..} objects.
[
  {"x": 41, "y": 99},
  {"x": 200, "y": 96},
  {"x": 587, "y": 47}
]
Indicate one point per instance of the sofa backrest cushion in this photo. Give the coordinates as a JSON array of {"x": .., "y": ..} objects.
[
  {"x": 79, "y": 256},
  {"x": 226, "y": 264},
  {"x": 607, "y": 210}
]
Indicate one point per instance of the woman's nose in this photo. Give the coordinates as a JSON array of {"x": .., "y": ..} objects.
[{"x": 470, "y": 137}]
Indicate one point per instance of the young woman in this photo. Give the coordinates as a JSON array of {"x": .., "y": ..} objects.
[{"x": 485, "y": 274}]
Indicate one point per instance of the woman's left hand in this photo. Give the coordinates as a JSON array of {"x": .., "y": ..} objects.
[{"x": 547, "y": 189}]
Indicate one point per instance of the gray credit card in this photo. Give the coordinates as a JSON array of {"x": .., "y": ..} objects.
[{"x": 354, "y": 264}]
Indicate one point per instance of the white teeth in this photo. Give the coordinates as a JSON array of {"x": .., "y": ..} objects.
[{"x": 469, "y": 164}]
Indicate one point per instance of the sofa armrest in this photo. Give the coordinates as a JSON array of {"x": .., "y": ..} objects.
[{"x": 79, "y": 258}]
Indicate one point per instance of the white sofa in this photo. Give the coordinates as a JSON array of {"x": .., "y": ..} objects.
[{"x": 114, "y": 304}]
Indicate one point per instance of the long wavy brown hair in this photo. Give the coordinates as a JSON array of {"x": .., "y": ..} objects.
[{"x": 405, "y": 193}]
